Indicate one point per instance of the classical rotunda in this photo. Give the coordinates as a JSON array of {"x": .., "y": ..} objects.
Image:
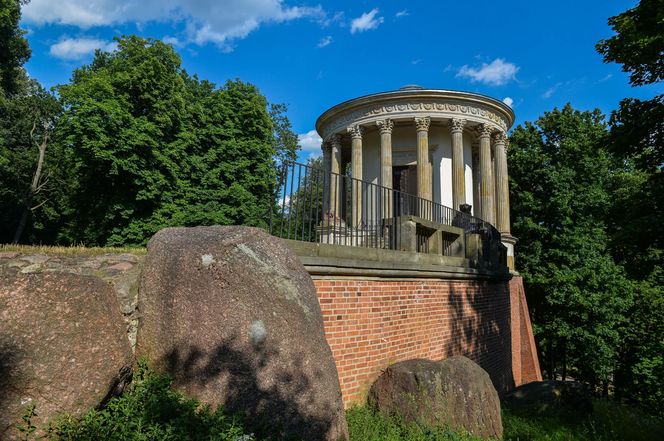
[{"x": 444, "y": 146}]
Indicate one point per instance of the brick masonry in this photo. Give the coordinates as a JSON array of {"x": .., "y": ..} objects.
[{"x": 371, "y": 324}]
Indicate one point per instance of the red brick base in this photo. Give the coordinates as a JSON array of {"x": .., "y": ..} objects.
[{"x": 371, "y": 324}]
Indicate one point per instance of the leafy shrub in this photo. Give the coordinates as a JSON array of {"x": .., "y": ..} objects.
[{"x": 151, "y": 410}]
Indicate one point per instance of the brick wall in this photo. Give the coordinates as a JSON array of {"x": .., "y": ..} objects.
[{"x": 371, "y": 324}]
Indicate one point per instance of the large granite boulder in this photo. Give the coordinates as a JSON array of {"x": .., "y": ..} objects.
[
  {"x": 454, "y": 393},
  {"x": 232, "y": 315},
  {"x": 545, "y": 397},
  {"x": 63, "y": 347}
]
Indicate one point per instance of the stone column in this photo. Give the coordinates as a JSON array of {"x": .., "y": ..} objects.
[
  {"x": 487, "y": 185},
  {"x": 458, "y": 169},
  {"x": 327, "y": 159},
  {"x": 335, "y": 178},
  {"x": 477, "y": 184},
  {"x": 423, "y": 169},
  {"x": 502, "y": 186},
  {"x": 356, "y": 164},
  {"x": 385, "y": 127}
]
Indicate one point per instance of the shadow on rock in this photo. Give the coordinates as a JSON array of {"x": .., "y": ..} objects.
[{"x": 271, "y": 404}]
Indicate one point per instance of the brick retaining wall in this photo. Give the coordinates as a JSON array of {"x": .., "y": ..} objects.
[{"x": 371, "y": 324}]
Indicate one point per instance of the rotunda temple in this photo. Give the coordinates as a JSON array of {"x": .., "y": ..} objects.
[{"x": 444, "y": 146}]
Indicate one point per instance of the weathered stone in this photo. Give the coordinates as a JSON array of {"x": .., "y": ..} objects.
[
  {"x": 122, "y": 266},
  {"x": 233, "y": 316},
  {"x": 545, "y": 397},
  {"x": 35, "y": 258},
  {"x": 8, "y": 255},
  {"x": 455, "y": 393},
  {"x": 63, "y": 347}
]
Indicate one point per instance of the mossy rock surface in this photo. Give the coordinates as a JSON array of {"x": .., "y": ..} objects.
[{"x": 455, "y": 393}]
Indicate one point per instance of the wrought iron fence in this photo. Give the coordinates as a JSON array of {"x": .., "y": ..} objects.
[{"x": 316, "y": 206}]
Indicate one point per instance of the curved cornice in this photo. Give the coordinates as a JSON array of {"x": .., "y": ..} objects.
[{"x": 402, "y": 104}]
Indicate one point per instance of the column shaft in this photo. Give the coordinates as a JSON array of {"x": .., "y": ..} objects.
[
  {"x": 487, "y": 187},
  {"x": 327, "y": 164},
  {"x": 477, "y": 183},
  {"x": 356, "y": 183},
  {"x": 502, "y": 185},
  {"x": 458, "y": 169},
  {"x": 385, "y": 127},
  {"x": 335, "y": 178},
  {"x": 423, "y": 168}
]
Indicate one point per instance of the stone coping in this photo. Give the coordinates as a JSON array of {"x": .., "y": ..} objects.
[{"x": 340, "y": 260}]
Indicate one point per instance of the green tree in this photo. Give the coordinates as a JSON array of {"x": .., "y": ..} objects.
[
  {"x": 14, "y": 49},
  {"x": 637, "y": 241},
  {"x": 32, "y": 176},
  {"x": 155, "y": 147},
  {"x": 560, "y": 172}
]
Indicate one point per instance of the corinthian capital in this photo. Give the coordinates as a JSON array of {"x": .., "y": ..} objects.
[
  {"x": 334, "y": 141},
  {"x": 422, "y": 123},
  {"x": 355, "y": 131},
  {"x": 500, "y": 137},
  {"x": 456, "y": 124},
  {"x": 485, "y": 130},
  {"x": 385, "y": 126}
]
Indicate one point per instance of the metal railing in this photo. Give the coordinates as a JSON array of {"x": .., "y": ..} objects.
[{"x": 316, "y": 206}]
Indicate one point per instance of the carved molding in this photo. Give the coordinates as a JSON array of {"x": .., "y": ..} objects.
[
  {"x": 457, "y": 124},
  {"x": 423, "y": 123},
  {"x": 437, "y": 109},
  {"x": 355, "y": 131},
  {"x": 385, "y": 126}
]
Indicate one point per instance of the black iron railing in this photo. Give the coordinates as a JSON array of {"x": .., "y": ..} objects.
[{"x": 316, "y": 206}]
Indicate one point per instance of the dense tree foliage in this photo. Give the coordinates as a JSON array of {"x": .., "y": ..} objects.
[
  {"x": 588, "y": 205},
  {"x": 561, "y": 189},
  {"x": 637, "y": 242},
  {"x": 142, "y": 145},
  {"x": 14, "y": 49}
]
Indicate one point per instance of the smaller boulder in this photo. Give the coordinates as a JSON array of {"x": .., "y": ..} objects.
[
  {"x": 567, "y": 397},
  {"x": 455, "y": 393},
  {"x": 63, "y": 348}
]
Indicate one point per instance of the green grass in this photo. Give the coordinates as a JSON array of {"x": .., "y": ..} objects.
[
  {"x": 608, "y": 422},
  {"x": 366, "y": 425},
  {"x": 74, "y": 249}
]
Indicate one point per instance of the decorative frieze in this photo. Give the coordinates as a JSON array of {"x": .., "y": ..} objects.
[{"x": 404, "y": 108}]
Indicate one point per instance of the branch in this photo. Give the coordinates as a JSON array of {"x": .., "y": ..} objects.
[{"x": 39, "y": 205}]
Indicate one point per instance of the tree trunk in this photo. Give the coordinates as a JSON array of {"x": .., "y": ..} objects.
[{"x": 34, "y": 186}]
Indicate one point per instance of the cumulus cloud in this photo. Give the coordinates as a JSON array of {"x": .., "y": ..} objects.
[
  {"x": 366, "y": 21},
  {"x": 77, "y": 48},
  {"x": 206, "y": 21},
  {"x": 509, "y": 101},
  {"x": 496, "y": 73},
  {"x": 310, "y": 141},
  {"x": 325, "y": 41}
]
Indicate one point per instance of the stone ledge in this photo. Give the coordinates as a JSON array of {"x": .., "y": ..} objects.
[{"x": 338, "y": 260}]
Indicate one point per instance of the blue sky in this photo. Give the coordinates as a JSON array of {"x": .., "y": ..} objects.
[{"x": 312, "y": 55}]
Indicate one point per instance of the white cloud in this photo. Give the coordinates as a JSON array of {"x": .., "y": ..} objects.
[
  {"x": 310, "y": 141},
  {"x": 418, "y": 61},
  {"x": 496, "y": 73},
  {"x": 403, "y": 13},
  {"x": 78, "y": 48},
  {"x": 206, "y": 21},
  {"x": 509, "y": 101},
  {"x": 173, "y": 41},
  {"x": 548, "y": 93},
  {"x": 366, "y": 21},
  {"x": 325, "y": 41}
]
